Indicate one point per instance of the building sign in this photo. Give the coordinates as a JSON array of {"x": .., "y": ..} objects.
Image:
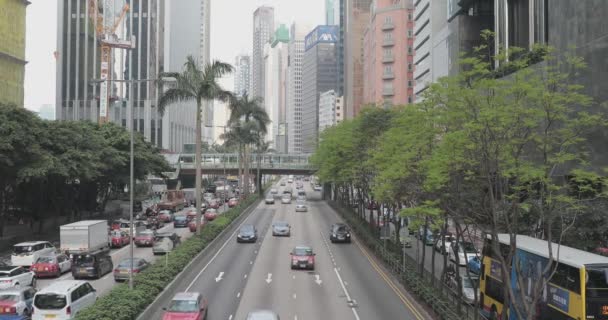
[
  {"x": 103, "y": 100},
  {"x": 559, "y": 298},
  {"x": 321, "y": 34}
]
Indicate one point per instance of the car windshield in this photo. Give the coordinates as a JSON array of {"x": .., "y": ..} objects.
[
  {"x": 50, "y": 301},
  {"x": 469, "y": 282},
  {"x": 183, "y": 306},
  {"x": 181, "y": 218},
  {"x": 116, "y": 233},
  {"x": 302, "y": 251},
  {"x": 4, "y": 274},
  {"x": 468, "y": 247},
  {"x": 281, "y": 224},
  {"x": 340, "y": 228},
  {"x": 127, "y": 263},
  {"x": 247, "y": 229},
  {"x": 145, "y": 234},
  {"x": 84, "y": 260},
  {"x": 46, "y": 259},
  {"x": 9, "y": 297},
  {"x": 22, "y": 249}
]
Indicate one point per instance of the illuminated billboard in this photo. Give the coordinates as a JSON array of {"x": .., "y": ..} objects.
[{"x": 321, "y": 34}]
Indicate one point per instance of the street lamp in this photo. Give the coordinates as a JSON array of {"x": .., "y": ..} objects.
[{"x": 131, "y": 158}]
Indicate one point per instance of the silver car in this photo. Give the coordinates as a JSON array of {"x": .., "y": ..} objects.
[
  {"x": 122, "y": 271},
  {"x": 162, "y": 246},
  {"x": 286, "y": 199},
  {"x": 262, "y": 315},
  {"x": 301, "y": 207},
  {"x": 281, "y": 228},
  {"x": 269, "y": 199}
]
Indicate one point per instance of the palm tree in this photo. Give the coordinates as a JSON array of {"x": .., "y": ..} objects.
[
  {"x": 199, "y": 84},
  {"x": 252, "y": 119},
  {"x": 261, "y": 147}
]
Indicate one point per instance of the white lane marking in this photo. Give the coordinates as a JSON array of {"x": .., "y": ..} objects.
[
  {"x": 269, "y": 278},
  {"x": 219, "y": 277},
  {"x": 295, "y": 317},
  {"x": 318, "y": 279},
  {"x": 230, "y": 318},
  {"x": 293, "y": 277},
  {"x": 250, "y": 262},
  {"x": 216, "y": 254},
  {"x": 245, "y": 276},
  {"x": 294, "y": 296},
  {"x": 238, "y": 295},
  {"x": 350, "y": 302}
]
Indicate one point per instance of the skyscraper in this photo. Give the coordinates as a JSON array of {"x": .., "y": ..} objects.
[
  {"x": 275, "y": 69},
  {"x": 12, "y": 51},
  {"x": 355, "y": 14},
  {"x": 294, "y": 89},
  {"x": 242, "y": 68},
  {"x": 332, "y": 12},
  {"x": 263, "y": 28},
  {"x": 319, "y": 74}
]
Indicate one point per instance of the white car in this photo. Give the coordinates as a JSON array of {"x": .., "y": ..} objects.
[
  {"x": 26, "y": 253},
  {"x": 63, "y": 300},
  {"x": 16, "y": 277},
  {"x": 162, "y": 246},
  {"x": 466, "y": 252},
  {"x": 301, "y": 207},
  {"x": 274, "y": 191},
  {"x": 286, "y": 199},
  {"x": 448, "y": 243},
  {"x": 269, "y": 199}
]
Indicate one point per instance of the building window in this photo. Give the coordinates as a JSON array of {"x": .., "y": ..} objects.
[
  {"x": 410, "y": 50},
  {"x": 410, "y": 33},
  {"x": 409, "y": 99},
  {"x": 388, "y": 36},
  {"x": 388, "y": 69},
  {"x": 410, "y": 67},
  {"x": 388, "y": 52},
  {"x": 410, "y": 83},
  {"x": 388, "y": 19},
  {"x": 409, "y": 17}
]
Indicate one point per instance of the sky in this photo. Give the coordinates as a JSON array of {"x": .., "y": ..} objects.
[{"x": 231, "y": 34}]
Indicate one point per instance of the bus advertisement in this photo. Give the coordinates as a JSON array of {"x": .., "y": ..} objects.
[{"x": 578, "y": 289}]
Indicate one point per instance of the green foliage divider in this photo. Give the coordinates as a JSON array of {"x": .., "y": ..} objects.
[{"x": 125, "y": 304}]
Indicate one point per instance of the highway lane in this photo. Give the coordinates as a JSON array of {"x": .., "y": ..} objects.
[
  {"x": 353, "y": 285},
  {"x": 106, "y": 283},
  {"x": 221, "y": 277}
]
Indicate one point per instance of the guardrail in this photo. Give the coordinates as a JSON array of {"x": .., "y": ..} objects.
[{"x": 441, "y": 298}]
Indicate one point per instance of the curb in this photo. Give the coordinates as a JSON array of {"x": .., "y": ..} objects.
[{"x": 144, "y": 315}]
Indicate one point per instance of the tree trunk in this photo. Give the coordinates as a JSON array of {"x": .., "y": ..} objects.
[
  {"x": 423, "y": 241},
  {"x": 197, "y": 163}
]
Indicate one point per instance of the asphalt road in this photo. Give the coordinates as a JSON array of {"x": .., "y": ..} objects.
[
  {"x": 347, "y": 282},
  {"x": 106, "y": 283}
]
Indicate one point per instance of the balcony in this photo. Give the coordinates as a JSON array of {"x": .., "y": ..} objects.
[
  {"x": 388, "y": 76},
  {"x": 388, "y": 59},
  {"x": 388, "y": 92},
  {"x": 388, "y": 42},
  {"x": 388, "y": 26}
]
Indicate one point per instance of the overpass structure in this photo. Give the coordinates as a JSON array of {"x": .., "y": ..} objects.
[{"x": 228, "y": 163}]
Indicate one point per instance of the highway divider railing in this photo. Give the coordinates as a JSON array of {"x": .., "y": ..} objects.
[
  {"x": 407, "y": 273},
  {"x": 122, "y": 303}
]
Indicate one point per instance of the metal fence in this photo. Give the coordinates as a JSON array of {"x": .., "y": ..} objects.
[{"x": 442, "y": 299}]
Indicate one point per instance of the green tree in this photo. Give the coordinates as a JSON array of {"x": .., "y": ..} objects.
[{"x": 201, "y": 85}]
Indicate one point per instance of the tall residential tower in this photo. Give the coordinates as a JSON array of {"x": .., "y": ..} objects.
[
  {"x": 242, "y": 74},
  {"x": 263, "y": 28}
]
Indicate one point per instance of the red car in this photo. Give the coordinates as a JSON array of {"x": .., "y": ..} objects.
[
  {"x": 233, "y": 202},
  {"x": 119, "y": 239},
  {"x": 165, "y": 216},
  {"x": 302, "y": 257},
  {"x": 215, "y": 204},
  {"x": 210, "y": 214},
  {"x": 51, "y": 266},
  {"x": 186, "y": 306},
  {"x": 192, "y": 224},
  {"x": 145, "y": 238}
]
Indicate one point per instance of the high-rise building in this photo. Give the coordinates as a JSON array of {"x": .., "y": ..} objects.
[
  {"x": 242, "y": 68},
  {"x": 276, "y": 55},
  {"x": 388, "y": 54},
  {"x": 263, "y": 29},
  {"x": 327, "y": 109},
  {"x": 12, "y": 51},
  {"x": 354, "y": 18},
  {"x": 294, "y": 89},
  {"x": 332, "y": 12},
  {"x": 166, "y": 33},
  {"x": 319, "y": 74}
]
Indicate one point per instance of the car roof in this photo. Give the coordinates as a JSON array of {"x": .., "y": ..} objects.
[
  {"x": 61, "y": 286},
  {"x": 29, "y": 243},
  {"x": 187, "y": 296},
  {"x": 262, "y": 315},
  {"x": 303, "y": 247}
]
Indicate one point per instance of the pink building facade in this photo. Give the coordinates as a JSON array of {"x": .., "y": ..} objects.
[{"x": 389, "y": 54}]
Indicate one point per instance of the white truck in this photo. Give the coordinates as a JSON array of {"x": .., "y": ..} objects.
[{"x": 83, "y": 236}]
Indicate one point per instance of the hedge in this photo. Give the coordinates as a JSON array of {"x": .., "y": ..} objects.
[{"x": 121, "y": 303}]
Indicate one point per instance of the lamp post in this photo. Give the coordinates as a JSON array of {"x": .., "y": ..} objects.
[{"x": 131, "y": 160}]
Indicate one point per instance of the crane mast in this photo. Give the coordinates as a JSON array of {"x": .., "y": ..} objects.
[{"x": 101, "y": 13}]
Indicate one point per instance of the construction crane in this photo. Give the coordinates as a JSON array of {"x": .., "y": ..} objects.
[{"x": 101, "y": 13}]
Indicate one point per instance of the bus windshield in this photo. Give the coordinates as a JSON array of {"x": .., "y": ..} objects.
[{"x": 597, "y": 278}]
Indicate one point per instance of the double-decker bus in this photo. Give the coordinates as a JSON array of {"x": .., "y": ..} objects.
[{"x": 578, "y": 290}]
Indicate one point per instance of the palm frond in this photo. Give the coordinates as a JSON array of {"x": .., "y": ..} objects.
[{"x": 173, "y": 95}]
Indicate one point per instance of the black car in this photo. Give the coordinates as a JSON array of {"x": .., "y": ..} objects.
[
  {"x": 339, "y": 232},
  {"x": 247, "y": 233},
  {"x": 180, "y": 222},
  {"x": 91, "y": 265}
]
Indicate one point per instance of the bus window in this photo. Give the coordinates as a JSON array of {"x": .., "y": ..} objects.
[
  {"x": 597, "y": 282},
  {"x": 567, "y": 277},
  {"x": 494, "y": 289}
]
